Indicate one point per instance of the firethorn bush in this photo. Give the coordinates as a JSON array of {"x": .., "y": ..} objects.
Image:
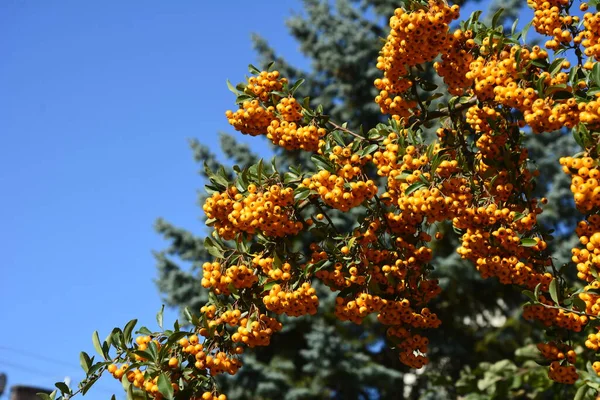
[{"x": 457, "y": 159}]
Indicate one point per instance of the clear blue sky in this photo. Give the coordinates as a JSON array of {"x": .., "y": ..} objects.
[{"x": 97, "y": 101}]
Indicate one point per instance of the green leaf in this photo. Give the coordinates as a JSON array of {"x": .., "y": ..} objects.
[
  {"x": 513, "y": 29},
  {"x": 144, "y": 331},
  {"x": 428, "y": 86},
  {"x": 524, "y": 32},
  {"x": 85, "y": 361},
  {"x": 578, "y": 303},
  {"x": 528, "y": 242},
  {"x": 253, "y": 70},
  {"x": 414, "y": 187},
  {"x": 164, "y": 386},
  {"x": 577, "y": 136},
  {"x": 322, "y": 163},
  {"x": 97, "y": 345},
  {"x": 242, "y": 98},
  {"x": 553, "y": 289},
  {"x": 63, "y": 387},
  {"x": 268, "y": 286},
  {"x": 556, "y": 66},
  {"x": 371, "y": 149},
  {"x": 595, "y": 75},
  {"x": 175, "y": 336},
  {"x": 337, "y": 136},
  {"x": 579, "y": 395},
  {"x": 128, "y": 329},
  {"x": 301, "y": 193},
  {"x": 296, "y": 85},
  {"x": 277, "y": 263},
  {"x": 159, "y": 316},
  {"x": 536, "y": 291},
  {"x": 212, "y": 248},
  {"x": 130, "y": 395},
  {"x": 232, "y": 88},
  {"x": 496, "y": 17},
  {"x": 529, "y": 294}
]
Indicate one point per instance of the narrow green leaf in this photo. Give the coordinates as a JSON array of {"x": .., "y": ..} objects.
[
  {"x": 578, "y": 303},
  {"x": 524, "y": 32},
  {"x": 296, "y": 85},
  {"x": 371, "y": 149},
  {"x": 144, "y": 331},
  {"x": 232, "y": 88},
  {"x": 212, "y": 248},
  {"x": 301, "y": 193},
  {"x": 159, "y": 316},
  {"x": 496, "y": 17},
  {"x": 97, "y": 345},
  {"x": 64, "y": 389},
  {"x": 536, "y": 291},
  {"x": 528, "y": 242},
  {"x": 414, "y": 187},
  {"x": 595, "y": 75},
  {"x": 337, "y": 136},
  {"x": 253, "y": 70},
  {"x": 128, "y": 329},
  {"x": 164, "y": 386},
  {"x": 529, "y": 294},
  {"x": 577, "y": 136},
  {"x": 579, "y": 395},
  {"x": 85, "y": 361},
  {"x": 130, "y": 395},
  {"x": 556, "y": 66},
  {"x": 553, "y": 289},
  {"x": 322, "y": 163}
]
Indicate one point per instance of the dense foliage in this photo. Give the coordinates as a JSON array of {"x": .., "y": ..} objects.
[{"x": 366, "y": 210}]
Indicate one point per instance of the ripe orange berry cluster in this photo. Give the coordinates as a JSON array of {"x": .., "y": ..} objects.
[
  {"x": 553, "y": 317},
  {"x": 591, "y": 34},
  {"x": 138, "y": 379},
  {"x": 239, "y": 276},
  {"x": 548, "y": 20},
  {"x": 289, "y": 109},
  {"x": 262, "y": 85},
  {"x": 266, "y": 264},
  {"x": 257, "y": 332},
  {"x": 210, "y": 396},
  {"x": 562, "y": 373},
  {"x": 455, "y": 61},
  {"x": 589, "y": 113},
  {"x": 217, "y": 362},
  {"x": 593, "y": 342},
  {"x": 584, "y": 182},
  {"x": 292, "y": 136},
  {"x": 350, "y": 165},
  {"x": 293, "y": 303},
  {"x": 338, "y": 192},
  {"x": 556, "y": 352},
  {"x": 267, "y": 211},
  {"x": 252, "y": 118},
  {"x": 279, "y": 118},
  {"x": 415, "y": 38}
]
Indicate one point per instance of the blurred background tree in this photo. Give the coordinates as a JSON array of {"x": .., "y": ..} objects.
[{"x": 484, "y": 348}]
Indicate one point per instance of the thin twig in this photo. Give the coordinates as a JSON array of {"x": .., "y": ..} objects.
[
  {"x": 348, "y": 131},
  {"x": 316, "y": 203},
  {"x": 445, "y": 112}
]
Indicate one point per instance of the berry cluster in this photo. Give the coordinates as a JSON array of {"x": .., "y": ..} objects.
[
  {"x": 415, "y": 38},
  {"x": 268, "y": 211}
]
